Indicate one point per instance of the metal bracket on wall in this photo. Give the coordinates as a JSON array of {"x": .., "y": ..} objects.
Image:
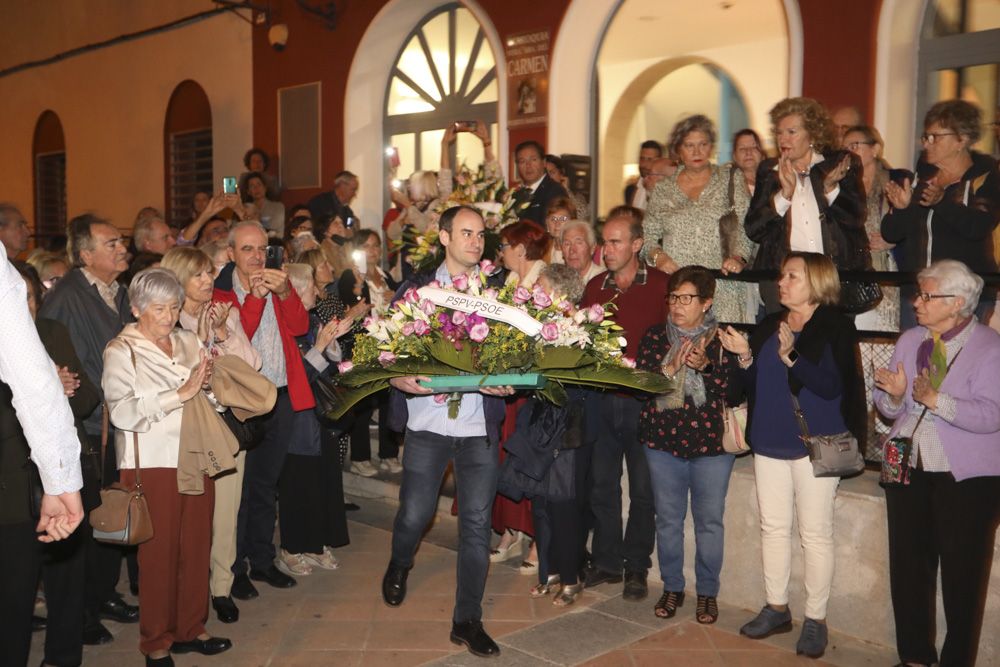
[
  {"x": 263, "y": 13},
  {"x": 327, "y": 11}
]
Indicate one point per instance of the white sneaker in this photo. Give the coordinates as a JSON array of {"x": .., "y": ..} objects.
[
  {"x": 292, "y": 564},
  {"x": 391, "y": 465},
  {"x": 325, "y": 560},
  {"x": 363, "y": 468}
]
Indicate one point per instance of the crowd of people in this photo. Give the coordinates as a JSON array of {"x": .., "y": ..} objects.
[{"x": 149, "y": 336}]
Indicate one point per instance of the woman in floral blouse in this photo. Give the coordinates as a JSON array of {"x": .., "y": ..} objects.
[{"x": 682, "y": 432}]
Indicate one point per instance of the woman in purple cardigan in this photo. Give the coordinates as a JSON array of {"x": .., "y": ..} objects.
[{"x": 949, "y": 510}]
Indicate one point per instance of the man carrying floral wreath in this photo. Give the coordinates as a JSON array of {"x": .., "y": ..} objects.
[{"x": 433, "y": 439}]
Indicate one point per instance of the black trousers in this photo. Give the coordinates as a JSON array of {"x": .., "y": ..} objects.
[
  {"x": 103, "y": 562},
  {"x": 20, "y": 564},
  {"x": 361, "y": 441},
  {"x": 63, "y": 574},
  {"x": 258, "y": 503},
  {"x": 936, "y": 520}
]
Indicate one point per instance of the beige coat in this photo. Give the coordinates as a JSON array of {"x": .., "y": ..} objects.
[{"x": 144, "y": 399}]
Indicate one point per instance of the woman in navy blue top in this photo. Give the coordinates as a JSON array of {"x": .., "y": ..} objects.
[{"x": 809, "y": 350}]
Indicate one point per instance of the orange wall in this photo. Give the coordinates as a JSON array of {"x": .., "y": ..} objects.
[
  {"x": 838, "y": 66},
  {"x": 314, "y": 53}
]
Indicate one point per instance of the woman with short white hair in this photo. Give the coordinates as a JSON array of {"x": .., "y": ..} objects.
[
  {"x": 577, "y": 242},
  {"x": 943, "y": 495},
  {"x": 151, "y": 370}
]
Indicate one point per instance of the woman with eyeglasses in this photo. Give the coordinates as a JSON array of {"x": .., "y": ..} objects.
[
  {"x": 682, "y": 223},
  {"x": 866, "y": 142},
  {"x": 559, "y": 211},
  {"x": 809, "y": 198},
  {"x": 953, "y": 204},
  {"x": 940, "y": 388},
  {"x": 809, "y": 350},
  {"x": 682, "y": 432}
]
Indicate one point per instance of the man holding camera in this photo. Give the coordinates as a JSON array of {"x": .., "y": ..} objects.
[{"x": 272, "y": 316}]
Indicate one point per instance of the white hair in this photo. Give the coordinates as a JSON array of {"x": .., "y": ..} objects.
[
  {"x": 300, "y": 275},
  {"x": 155, "y": 285},
  {"x": 244, "y": 224},
  {"x": 954, "y": 277},
  {"x": 588, "y": 231}
]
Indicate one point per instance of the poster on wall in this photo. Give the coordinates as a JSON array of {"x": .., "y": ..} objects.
[{"x": 528, "y": 78}]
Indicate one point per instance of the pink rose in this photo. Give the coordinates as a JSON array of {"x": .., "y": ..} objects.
[
  {"x": 479, "y": 332},
  {"x": 596, "y": 313},
  {"x": 345, "y": 366},
  {"x": 434, "y": 283},
  {"x": 550, "y": 331},
  {"x": 564, "y": 306},
  {"x": 522, "y": 295},
  {"x": 386, "y": 358},
  {"x": 420, "y": 327},
  {"x": 490, "y": 293},
  {"x": 540, "y": 298},
  {"x": 628, "y": 363},
  {"x": 460, "y": 282},
  {"x": 411, "y": 296},
  {"x": 427, "y": 307},
  {"x": 487, "y": 267},
  {"x": 458, "y": 318},
  {"x": 407, "y": 329},
  {"x": 440, "y": 399}
]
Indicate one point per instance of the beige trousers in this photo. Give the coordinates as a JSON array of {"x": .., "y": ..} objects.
[
  {"x": 787, "y": 489},
  {"x": 228, "y": 489}
]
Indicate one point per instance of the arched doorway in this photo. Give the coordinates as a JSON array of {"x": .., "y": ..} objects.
[
  {"x": 187, "y": 150},
  {"x": 368, "y": 88},
  {"x": 659, "y": 62},
  {"x": 48, "y": 151}
]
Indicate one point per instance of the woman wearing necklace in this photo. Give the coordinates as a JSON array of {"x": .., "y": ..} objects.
[
  {"x": 954, "y": 203},
  {"x": 940, "y": 388},
  {"x": 682, "y": 216},
  {"x": 810, "y": 352},
  {"x": 682, "y": 432},
  {"x": 809, "y": 199}
]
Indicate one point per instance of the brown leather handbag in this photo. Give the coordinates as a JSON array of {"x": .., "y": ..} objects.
[{"x": 123, "y": 515}]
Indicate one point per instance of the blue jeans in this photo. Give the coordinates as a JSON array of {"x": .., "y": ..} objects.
[
  {"x": 615, "y": 421},
  {"x": 425, "y": 459},
  {"x": 707, "y": 480}
]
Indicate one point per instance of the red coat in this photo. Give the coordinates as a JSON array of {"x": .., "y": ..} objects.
[{"x": 293, "y": 320}]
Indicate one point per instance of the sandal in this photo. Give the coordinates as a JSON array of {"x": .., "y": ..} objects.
[
  {"x": 541, "y": 590},
  {"x": 706, "y": 611},
  {"x": 667, "y": 606},
  {"x": 567, "y": 595}
]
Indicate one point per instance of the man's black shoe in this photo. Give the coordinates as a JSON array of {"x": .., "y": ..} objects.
[
  {"x": 116, "y": 609},
  {"x": 225, "y": 609},
  {"x": 38, "y": 622},
  {"x": 352, "y": 507},
  {"x": 210, "y": 646},
  {"x": 96, "y": 634},
  {"x": 394, "y": 585},
  {"x": 472, "y": 634},
  {"x": 165, "y": 661},
  {"x": 594, "y": 577},
  {"x": 242, "y": 588},
  {"x": 273, "y": 577},
  {"x": 635, "y": 586}
]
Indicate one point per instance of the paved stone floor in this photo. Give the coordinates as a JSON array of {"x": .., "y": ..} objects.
[{"x": 338, "y": 618}]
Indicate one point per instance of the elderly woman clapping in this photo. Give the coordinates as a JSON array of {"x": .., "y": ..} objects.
[
  {"x": 941, "y": 388},
  {"x": 151, "y": 370}
]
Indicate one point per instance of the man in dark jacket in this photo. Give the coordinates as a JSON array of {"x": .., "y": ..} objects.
[
  {"x": 432, "y": 440},
  {"x": 94, "y": 307},
  {"x": 537, "y": 189},
  {"x": 337, "y": 202}
]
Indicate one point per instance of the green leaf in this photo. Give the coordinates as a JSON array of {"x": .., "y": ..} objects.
[
  {"x": 554, "y": 393},
  {"x": 563, "y": 357},
  {"x": 346, "y": 398},
  {"x": 653, "y": 383},
  {"x": 443, "y": 350}
]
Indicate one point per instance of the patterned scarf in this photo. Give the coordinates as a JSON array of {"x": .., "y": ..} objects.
[
  {"x": 933, "y": 356},
  {"x": 692, "y": 382}
]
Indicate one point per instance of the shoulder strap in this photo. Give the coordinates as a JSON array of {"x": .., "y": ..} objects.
[
  {"x": 924, "y": 411},
  {"x": 105, "y": 425}
]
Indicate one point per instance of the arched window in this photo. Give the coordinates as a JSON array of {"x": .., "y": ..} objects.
[
  {"x": 445, "y": 72},
  {"x": 960, "y": 58},
  {"x": 187, "y": 150},
  {"x": 48, "y": 150}
]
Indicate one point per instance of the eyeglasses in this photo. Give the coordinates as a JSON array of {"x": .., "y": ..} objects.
[
  {"x": 931, "y": 137},
  {"x": 558, "y": 218},
  {"x": 683, "y": 299},
  {"x": 853, "y": 146},
  {"x": 927, "y": 296}
]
